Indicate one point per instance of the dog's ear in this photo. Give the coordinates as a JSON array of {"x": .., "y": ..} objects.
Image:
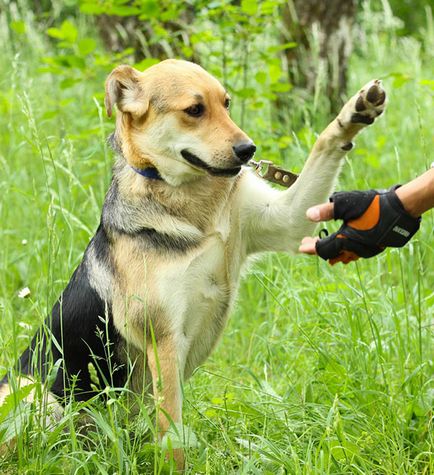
[{"x": 123, "y": 88}]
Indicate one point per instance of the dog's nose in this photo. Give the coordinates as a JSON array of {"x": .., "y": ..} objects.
[{"x": 244, "y": 151}]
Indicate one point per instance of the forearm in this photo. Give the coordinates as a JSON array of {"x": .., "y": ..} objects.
[{"x": 417, "y": 196}]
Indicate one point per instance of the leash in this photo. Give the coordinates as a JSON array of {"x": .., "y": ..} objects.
[{"x": 267, "y": 170}]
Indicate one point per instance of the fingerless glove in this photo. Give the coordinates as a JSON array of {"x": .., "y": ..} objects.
[{"x": 372, "y": 219}]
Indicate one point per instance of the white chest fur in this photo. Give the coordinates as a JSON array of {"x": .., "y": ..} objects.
[{"x": 196, "y": 290}]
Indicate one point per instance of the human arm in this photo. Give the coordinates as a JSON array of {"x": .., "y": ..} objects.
[{"x": 416, "y": 197}]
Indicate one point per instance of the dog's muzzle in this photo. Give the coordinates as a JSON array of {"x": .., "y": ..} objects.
[{"x": 198, "y": 163}]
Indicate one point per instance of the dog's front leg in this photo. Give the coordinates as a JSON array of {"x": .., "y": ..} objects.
[
  {"x": 162, "y": 360},
  {"x": 276, "y": 221}
]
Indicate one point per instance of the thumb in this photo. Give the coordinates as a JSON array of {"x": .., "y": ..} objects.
[{"x": 323, "y": 212}]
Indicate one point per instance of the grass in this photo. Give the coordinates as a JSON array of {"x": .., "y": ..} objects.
[{"x": 321, "y": 369}]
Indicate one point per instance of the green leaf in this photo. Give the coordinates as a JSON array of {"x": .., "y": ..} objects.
[
  {"x": 187, "y": 51},
  {"x": 86, "y": 46},
  {"x": 18, "y": 26},
  {"x": 12, "y": 400},
  {"x": 49, "y": 115},
  {"x": 342, "y": 451},
  {"x": 281, "y": 87},
  {"x": 69, "y": 31},
  {"x": 285, "y": 141},
  {"x": 249, "y": 6},
  {"x": 74, "y": 61},
  {"x": 104, "y": 426},
  {"x": 179, "y": 436},
  {"x": 373, "y": 160},
  {"x": 274, "y": 72},
  {"x": 55, "y": 33},
  {"x": 68, "y": 82},
  {"x": 92, "y": 9},
  {"x": 14, "y": 423},
  {"x": 261, "y": 77},
  {"x": 146, "y": 63},
  {"x": 124, "y": 10},
  {"x": 399, "y": 79},
  {"x": 149, "y": 9},
  {"x": 284, "y": 46},
  {"x": 246, "y": 92},
  {"x": 427, "y": 82}
]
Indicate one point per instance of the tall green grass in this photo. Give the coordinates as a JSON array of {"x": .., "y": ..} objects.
[{"x": 321, "y": 369}]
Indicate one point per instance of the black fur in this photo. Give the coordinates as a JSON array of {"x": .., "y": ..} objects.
[
  {"x": 101, "y": 246},
  {"x": 166, "y": 242},
  {"x": 81, "y": 324}
]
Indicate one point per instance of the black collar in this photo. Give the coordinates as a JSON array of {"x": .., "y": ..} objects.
[{"x": 151, "y": 173}]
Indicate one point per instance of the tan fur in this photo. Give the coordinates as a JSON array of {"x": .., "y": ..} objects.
[{"x": 165, "y": 371}]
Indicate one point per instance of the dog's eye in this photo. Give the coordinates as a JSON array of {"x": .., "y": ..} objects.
[
  {"x": 227, "y": 103},
  {"x": 195, "y": 111}
]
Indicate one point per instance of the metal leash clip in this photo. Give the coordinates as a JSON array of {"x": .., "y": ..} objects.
[{"x": 268, "y": 171}]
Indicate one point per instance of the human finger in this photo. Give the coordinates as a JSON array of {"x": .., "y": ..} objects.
[
  {"x": 307, "y": 245},
  {"x": 322, "y": 212}
]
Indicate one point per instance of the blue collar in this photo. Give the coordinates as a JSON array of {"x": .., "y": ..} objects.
[{"x": 151, "y": 173}]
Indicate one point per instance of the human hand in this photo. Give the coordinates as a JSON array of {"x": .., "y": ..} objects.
[{"x": 373, "y": 220}]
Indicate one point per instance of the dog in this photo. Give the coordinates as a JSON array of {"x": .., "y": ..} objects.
[{"x": 183, "y": 213}]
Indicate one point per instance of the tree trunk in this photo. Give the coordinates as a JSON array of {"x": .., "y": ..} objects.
[{"x": 322, "y": 31}]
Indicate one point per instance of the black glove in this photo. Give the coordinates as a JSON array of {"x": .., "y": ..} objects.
[{"x": 372, "y": 219}]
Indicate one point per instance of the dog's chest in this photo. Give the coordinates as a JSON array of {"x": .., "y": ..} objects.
[
  {"x": 185, "y": 293},
  {"x": 193, "y": 285},
  {"x": 196, "y": 290}
]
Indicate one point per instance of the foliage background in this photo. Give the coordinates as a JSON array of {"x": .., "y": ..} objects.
[{"x": 321, "y": 370}]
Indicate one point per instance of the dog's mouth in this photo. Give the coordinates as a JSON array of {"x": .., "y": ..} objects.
[{"x": 197, "y": 162}]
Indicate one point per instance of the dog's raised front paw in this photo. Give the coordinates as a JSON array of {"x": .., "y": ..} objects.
[
  {"x": 363, "y": 108},
  {"x": 370, "y": 103}
]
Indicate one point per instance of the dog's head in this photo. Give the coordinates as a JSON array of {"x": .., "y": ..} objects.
[{"x": 174, "y": 116}]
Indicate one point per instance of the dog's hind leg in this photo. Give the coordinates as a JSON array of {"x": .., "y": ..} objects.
[{"x": 162, "y": 360}]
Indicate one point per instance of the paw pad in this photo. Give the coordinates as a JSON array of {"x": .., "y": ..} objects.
[
  {"x": 361, "y": 119},
  {"x": 369, "y": 104},
  {"x": 376, "y": 95}
]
